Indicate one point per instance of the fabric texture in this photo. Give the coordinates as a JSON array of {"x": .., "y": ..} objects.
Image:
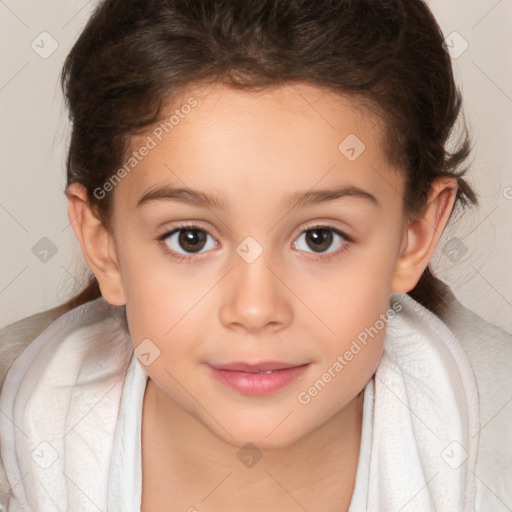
[
  {"x": 72, "y": 406},
  {"x": 61, "y": 400},
  {"x": 14, "y": 338}
]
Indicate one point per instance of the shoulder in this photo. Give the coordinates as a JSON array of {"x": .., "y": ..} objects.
[
  {"x": 14, "y": 338},
  {"x": 489, "y": 349},
  {"x": 46, "y": 358}
]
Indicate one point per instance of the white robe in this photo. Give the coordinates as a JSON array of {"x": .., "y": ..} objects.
[{"x": 70, "y": 428}]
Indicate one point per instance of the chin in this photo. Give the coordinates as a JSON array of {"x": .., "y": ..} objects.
[{"x": 260, "y": 435}]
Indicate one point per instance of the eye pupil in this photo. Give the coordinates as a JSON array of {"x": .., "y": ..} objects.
[
  {"x": 192, "y": 240},
  {"x": 321, "y": 239}
]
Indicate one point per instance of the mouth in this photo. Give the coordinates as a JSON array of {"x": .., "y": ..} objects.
[{"x": 259, "y": 378}]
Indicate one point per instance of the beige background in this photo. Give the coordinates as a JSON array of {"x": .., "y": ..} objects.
[{"x": 473, "y": 255}]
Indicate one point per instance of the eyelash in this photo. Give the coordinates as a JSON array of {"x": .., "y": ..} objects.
[{"x": 325, "y": 257}]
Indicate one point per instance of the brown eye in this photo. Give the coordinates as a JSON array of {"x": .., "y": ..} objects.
[
  {"x": 187, "y": 240},
  {"x": 191, "y": 240},
  {"x": 320, "y": 238}
]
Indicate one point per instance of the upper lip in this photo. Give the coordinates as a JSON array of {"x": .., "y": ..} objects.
[{"x": 264, "y": 366}]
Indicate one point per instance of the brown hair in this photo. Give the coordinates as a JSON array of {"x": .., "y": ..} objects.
[{"x": 134, "y": 54}]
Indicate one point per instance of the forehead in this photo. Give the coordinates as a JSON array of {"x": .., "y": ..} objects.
[
  {"x": 301, "y": 108},
  {"x": 275, "y": 140}
]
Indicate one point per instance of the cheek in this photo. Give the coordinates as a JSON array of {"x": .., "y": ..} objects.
[
  {"x": 353, "y": 304},
  {"x": 158, "y": 292},
  {"x": 350, "y": 296}
]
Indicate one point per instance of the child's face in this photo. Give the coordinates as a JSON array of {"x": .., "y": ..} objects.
[{"x": 255, "y": 290}]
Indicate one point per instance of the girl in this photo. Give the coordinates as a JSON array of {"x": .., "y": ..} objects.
[{"x": 258, "y": 188}]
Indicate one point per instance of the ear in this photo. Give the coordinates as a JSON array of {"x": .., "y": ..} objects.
[
  {"x": 423, "y": 234},
  {"x": 97, "y": 243}
]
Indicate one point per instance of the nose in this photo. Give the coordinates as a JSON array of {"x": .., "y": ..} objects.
[{"x": 254, "y": 297}]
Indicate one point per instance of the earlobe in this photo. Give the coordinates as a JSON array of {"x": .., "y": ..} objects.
[
  {"x": 97, "y": 244},
  {"x": 423, "y": 234}
]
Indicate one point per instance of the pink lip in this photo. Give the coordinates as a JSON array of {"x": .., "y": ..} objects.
[{"x": 252, "y": 379}]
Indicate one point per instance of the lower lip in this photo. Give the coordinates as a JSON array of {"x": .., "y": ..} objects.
[{"x": 259, "y": 383}]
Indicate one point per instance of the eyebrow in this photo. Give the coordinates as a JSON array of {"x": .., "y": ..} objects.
[{"x": 298, "y": 199}]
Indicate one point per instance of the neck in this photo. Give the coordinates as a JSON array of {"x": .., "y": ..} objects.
[{"x": 316, "y": 472}]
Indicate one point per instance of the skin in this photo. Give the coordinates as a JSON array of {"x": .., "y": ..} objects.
[{"x": 254, "y": 150}]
